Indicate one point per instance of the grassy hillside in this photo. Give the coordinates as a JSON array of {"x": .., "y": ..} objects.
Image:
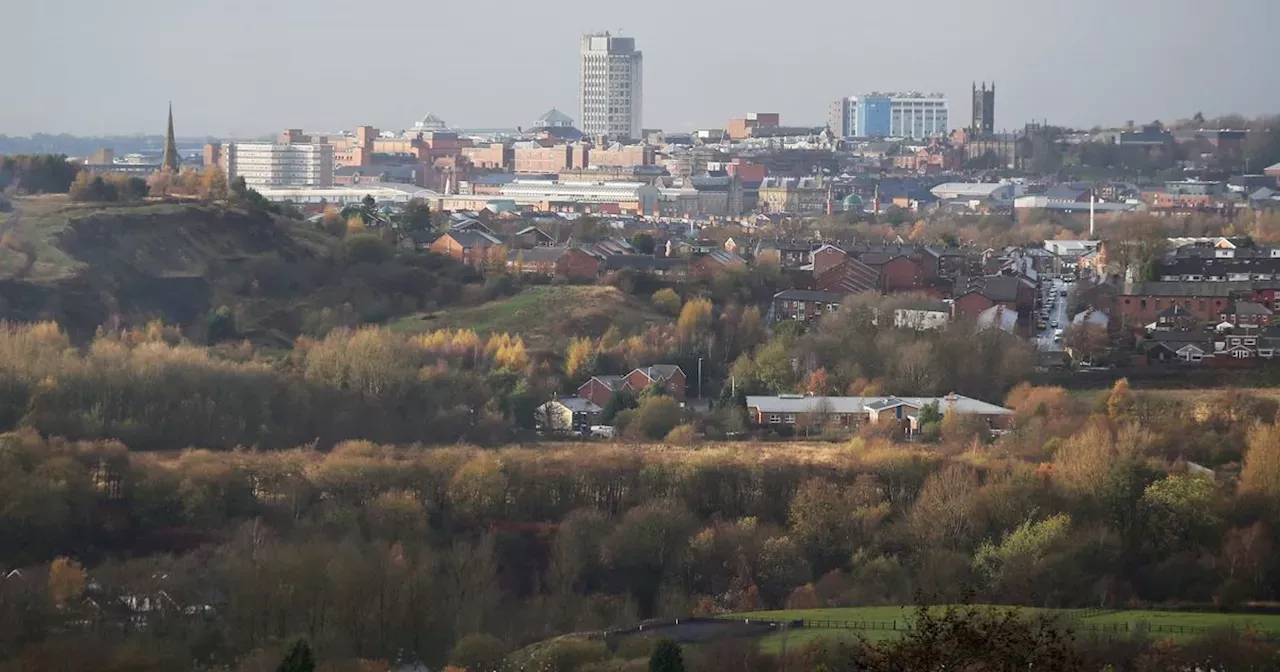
[
  {"x": 85, "y": 265},
  {"x": 547, "y": 315},
  {"x": 879, "y": 623}
]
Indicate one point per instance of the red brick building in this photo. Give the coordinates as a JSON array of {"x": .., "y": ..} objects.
[
  {"x": 972, "y": 304},
  {"x": 901, "y": 274},
  {"x": 569, "y": 262},
  {"x": 600, "y": 390},
  {"x": 669, "y": 376},
  {"x": 848, "y": 277},
  {"x": 469, "y": 247},
  {"x": 826, "y": 258},
  {"x": 1142, "y": 302}
]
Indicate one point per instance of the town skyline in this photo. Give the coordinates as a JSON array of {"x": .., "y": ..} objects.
[{"x": 506, "y": 75}]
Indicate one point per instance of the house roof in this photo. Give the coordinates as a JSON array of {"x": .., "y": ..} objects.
[
  {"x": 538, "y": 255},
  {"x": 658, "y": 371},
  {"x": 534, "y": 230},
  {"x": 808, "y": 295},
  {"x": 929, "y": 306},
  {"x": 639, "y": 262},
  {"x": 614, "y": 383},
  {"x": 847, "y": 405},
  {"x": 1174, "y": 311},
  {"x": 998, "y": 288},
  {"x": 578, "y": 405},
  {"x": 1091, "y": 316},
  {"x": 1180, "y": 336},
  {"x": 997, "y": 317},
  {"x": 472, "y": 238},
  {"x": 889, "y": 402},
  {"x": 1197, "y": 289},
  {"x": 1251, "y": 308},
  {"x": 848, "y": 277}
]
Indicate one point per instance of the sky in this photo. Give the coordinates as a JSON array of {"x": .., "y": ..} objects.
[{"x": 245, "y": 68}]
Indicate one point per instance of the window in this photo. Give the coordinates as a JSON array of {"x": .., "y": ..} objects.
[
  {"x": 790, "y": 419},
  {"x": 774, "y": 418}
]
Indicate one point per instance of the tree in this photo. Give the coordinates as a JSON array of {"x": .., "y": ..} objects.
[
  {"x": 365, "y": 248},
  {"x": 1261, "y": 472},
  {"x": 695, "y": 320},
  {"x": 66, "y": 580},
  {"x": 299, "y": 658},
  {"x": 818, "y": 383},
  {"x": 416, "y": 215},
  {"x": 1086, "y": 342},
  {"x": 1120, "y": 402},
  {"x": 666, "y": 657},
  {"x": 619, "y": 402},
  {"x": 656, "y": 417},
  {"x": 973, "y": 638},
  {"x": 667, "y": 301},
  {"x": 579, "y": 358},
  {"x": 332, "y": 222},
  {"x": 644, "y": 243}
]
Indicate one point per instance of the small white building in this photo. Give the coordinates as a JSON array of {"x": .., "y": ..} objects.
[
  {"x": 975, "y": 191},
  {"x": 567, "y": 415},
  {"x": 923, "y": 318}
]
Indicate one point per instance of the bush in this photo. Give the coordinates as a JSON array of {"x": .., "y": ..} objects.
[
  {"x": 567, "y": 655},
  {"x": 365, "y": 248},
  {"x": 655, "y": 418},
  {"x": 682, "y": 435},
  {"x": 478, "y": 652},
  {"x": 666, "y": 301}
]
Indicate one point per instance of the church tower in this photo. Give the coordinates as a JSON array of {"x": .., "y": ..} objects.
[{"x": 169, "y": 160}]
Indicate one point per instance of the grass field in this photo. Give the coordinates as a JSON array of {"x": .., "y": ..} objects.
[
  {"x": 546, "y": 315},
  {"x": 1158, "y": 623},
  {"x": 36, "y": 221}
]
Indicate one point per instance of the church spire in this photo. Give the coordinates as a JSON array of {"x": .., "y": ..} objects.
[{"x": 169, "y": 160}]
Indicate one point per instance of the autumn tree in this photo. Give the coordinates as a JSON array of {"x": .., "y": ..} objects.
[
  {"x": 1261, "y": 472},
  {"x": 817, "y": 383},
  {"x": 579, "y": 358},
  {"x": 66, "y": 580},
  {"x": 695, "y": 320},
  {"x": 667, "y": 301}
]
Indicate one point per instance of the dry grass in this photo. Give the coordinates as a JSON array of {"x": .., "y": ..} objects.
[{"x": 546, "y": 315}]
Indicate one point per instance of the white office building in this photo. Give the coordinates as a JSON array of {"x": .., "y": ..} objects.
[
  {"x": 610, "y": 93},
  {"x": 265, "y": 165},
  {"x": 917, "y": 116}
]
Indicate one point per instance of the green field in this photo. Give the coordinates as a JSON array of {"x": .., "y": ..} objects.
[
  {"x": 546, "y": 315},
  {"x": 1169, "y": 624}
]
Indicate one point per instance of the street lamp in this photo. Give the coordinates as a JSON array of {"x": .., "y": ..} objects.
[{"x": 699, "y": 379}]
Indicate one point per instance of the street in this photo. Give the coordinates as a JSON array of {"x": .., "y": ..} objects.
[{"x": 1058, "y": 318}]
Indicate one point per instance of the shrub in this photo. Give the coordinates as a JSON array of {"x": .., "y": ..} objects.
[{"x": 682, "y": 435}]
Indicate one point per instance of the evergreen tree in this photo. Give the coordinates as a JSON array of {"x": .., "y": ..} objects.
[
  {"x": 666, "y": 658},
  {"x": 299, "y": 659}
]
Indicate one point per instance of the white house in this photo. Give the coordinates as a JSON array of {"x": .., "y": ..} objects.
[
  {"x": 922, "y": 318},
  {"x": 567, "y": 415}
]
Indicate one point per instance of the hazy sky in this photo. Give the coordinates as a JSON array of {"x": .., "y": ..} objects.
[{"x": 249, "y": 67}]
